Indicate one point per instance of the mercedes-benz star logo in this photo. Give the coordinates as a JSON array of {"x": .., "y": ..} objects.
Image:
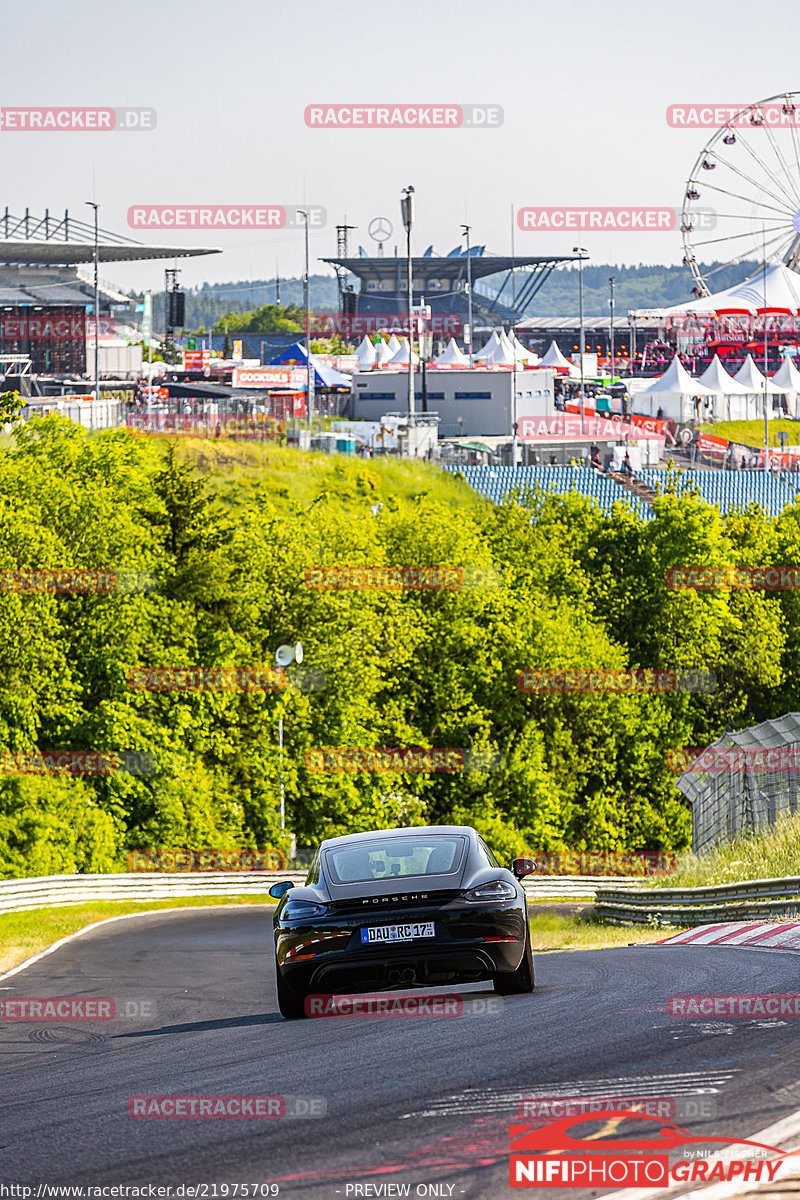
[{"x": 379, "y": 229}]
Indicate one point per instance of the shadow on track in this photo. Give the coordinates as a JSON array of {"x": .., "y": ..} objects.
[{"x": 204, "y": 1026}]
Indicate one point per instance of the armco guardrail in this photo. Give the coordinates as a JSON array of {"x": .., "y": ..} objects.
[
  {"x": 755, "y": 899},
  {"x": 46, "y": 891},
  {"x": 574, "y": 887}
]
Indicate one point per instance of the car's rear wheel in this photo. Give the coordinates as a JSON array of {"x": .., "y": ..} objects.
[
  {"x": 290, "y": 1002},
  {"x": 521, "y": 981}
]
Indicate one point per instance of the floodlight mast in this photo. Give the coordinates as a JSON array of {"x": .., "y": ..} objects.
[{"x": 407, "y": 211}]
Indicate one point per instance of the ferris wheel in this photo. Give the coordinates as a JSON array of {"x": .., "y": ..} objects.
[{"x": 742, "y": 199}]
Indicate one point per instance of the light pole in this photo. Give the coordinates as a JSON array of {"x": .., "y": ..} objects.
[
  {"x": 407, "y": 210},
  {"x": 284, "y": 657},
  {"x": 579, "y": 250},
  {"x": 96, "y": 307},
  {"x": 466, "y": 229},
  {"x": 306, "y": 303},
  {"x": 611, "y": 303}
]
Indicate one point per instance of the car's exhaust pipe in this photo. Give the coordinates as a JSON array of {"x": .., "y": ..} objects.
[{"x": 395, "y": 975}]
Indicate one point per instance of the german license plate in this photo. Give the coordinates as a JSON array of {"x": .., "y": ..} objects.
[{"x": 397, "y": 933}]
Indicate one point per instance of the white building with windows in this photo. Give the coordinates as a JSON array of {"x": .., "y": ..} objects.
[{"x": 475, "y": 403}]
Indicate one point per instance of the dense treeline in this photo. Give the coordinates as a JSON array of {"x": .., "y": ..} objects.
[{"x": 404, "y": 668}]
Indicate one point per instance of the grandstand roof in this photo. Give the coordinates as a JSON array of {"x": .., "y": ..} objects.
[{"x": 67, "y": 241}]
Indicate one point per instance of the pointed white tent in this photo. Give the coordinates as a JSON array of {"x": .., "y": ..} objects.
[
  {"x": 524, "y": 356},
  {"x": 752, "y": 380},
  {"x": 488, "y": 350},
  {"x": 788, "y": 376},
  {"x": 554, "y": 358},
  {"x": 734, "y": 395},
  {"x": 394, "y": 343},
  {"x": 680, "y": 397},
  {"x": 497, "y": 352},
  {"x": 365, "y": 354},
  {"x": 452, "y": 356},
  {"x": 383, "y": 354},
  {"x": 400, "y": 359}
]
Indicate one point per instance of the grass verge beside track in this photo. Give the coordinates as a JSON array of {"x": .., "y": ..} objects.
[
  {"x": 27, "y": 933},
  {"x": 583, "y": 931},
  {"x": 24, "y": 934}
]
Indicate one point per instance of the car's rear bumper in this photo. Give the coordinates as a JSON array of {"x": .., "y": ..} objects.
[{"x": 466, "y": 949}]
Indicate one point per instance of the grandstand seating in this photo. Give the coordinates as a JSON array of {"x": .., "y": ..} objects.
[
  {"x": 726, "y": 489},
  {"x": 497, "y": 482},
  {"x": 735, "y": 489}
]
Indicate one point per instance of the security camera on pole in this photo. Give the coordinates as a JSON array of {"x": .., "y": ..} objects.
[
  {"x": 407, "y": 210},
  {"x": 284, "y": 657}
]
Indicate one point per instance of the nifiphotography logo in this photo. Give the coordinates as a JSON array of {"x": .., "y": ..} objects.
[{"x": 551, "y": 1156}]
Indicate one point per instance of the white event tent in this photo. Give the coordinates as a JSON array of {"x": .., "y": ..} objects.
[
  {"x": 526, "y": 357},
  {"x": 554, "y": 358},
  {"x": 676, "y": 394},
  {"x": 752, "y": 380},
  {"x": 394, "y": 343},
  {"x": 400, "y": 359},
  {"x": 787, "y": 376},
  {"x": 383, "y": 353},
  {"x": 497, "y": 352},
  {"x": 365, "y": 354},
  {"x": 452, "y": 356},
  {"x": 734, "y": 401}
]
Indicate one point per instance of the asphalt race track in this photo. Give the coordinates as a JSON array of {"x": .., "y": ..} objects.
[{"x": 409, "y": 1100}]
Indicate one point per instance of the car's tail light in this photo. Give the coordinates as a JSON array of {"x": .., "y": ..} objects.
[
  {"x": 496, "y": 889},
  {"x": 297, "y": 909}
]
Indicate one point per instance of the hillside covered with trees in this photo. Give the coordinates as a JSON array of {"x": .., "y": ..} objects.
[{"x": 228, "y": 533}]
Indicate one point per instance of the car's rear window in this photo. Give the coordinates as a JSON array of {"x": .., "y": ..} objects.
[{"x": 395, "y": 858}]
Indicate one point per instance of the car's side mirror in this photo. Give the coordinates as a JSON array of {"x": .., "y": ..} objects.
[
  {"x": 279, "y": 890},
  {"x": 520, "y": 867}
]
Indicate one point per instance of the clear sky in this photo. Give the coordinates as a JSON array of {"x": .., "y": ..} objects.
[{"x": 584, "y": 88}]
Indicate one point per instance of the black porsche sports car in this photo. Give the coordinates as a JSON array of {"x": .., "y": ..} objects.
[{"x": 402, "y": 908}]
